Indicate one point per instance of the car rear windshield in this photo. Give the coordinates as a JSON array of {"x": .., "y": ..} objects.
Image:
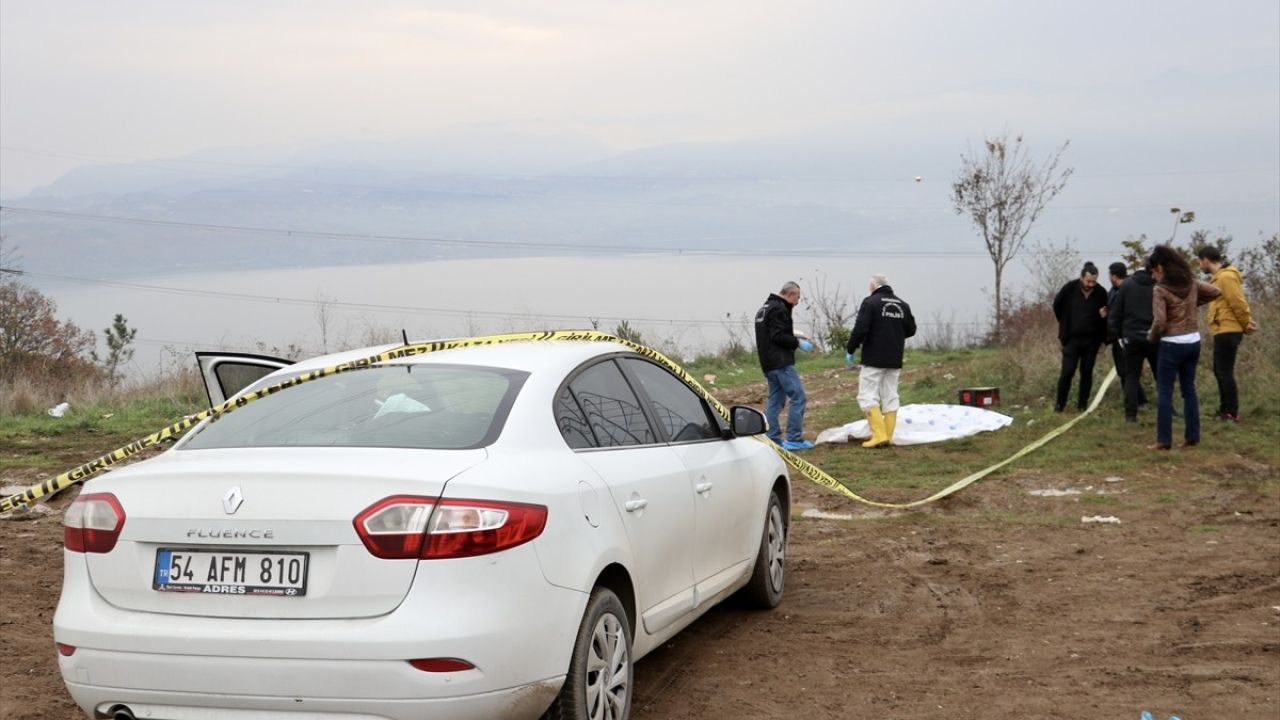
[{"x": 429, "y": 406}]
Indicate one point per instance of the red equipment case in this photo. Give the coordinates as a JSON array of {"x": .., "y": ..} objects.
[{"x": 980, "y": 397}]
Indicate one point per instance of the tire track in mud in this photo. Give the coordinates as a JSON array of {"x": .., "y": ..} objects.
[{"x": 672, "y": 661}]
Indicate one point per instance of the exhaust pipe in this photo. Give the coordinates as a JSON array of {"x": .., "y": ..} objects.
[{"x": 117, "y": 712}]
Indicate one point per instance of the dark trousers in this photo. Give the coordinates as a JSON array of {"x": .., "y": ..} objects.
[
  {"x": 1077, "y": 353},
  {"x": 1177, "y": 361},
  {"x": 1225, "y": 347},
  {"x": 1135, "y": 353},
  {"x": 1117, "y": 356}
]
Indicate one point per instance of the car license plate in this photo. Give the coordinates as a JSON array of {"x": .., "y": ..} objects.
[{"x": 231, "y": 572}]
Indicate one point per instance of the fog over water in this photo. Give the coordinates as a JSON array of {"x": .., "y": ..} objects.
[{"x": 695, "y": 303}]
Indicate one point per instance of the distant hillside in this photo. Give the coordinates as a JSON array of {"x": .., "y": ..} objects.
[{"x": 845, "y": 189}]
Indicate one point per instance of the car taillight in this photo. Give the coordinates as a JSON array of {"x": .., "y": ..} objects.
[
  {"x": 409, "y": 526},
  {"x": 65, "y": 650},
  {"x": 92, "y": 523},
  {"x": 464, "y": 528},
  {"x": 393, "y": 527}
]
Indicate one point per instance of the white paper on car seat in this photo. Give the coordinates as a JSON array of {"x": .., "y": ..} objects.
[
  {"x": 920, "y": 424},
  {"x": 400, "y": 403}
]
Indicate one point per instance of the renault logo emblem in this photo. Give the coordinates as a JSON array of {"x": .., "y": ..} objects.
[{"x": 232, "y": 500}]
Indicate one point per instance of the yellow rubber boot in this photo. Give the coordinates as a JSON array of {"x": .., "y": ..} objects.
[
  {"x": 890, "y": 422},
  {"x": 878, "y": 437}
]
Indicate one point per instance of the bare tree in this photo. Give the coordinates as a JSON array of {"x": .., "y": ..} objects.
[
  {"x": 828, "y": 312},
  {"x": 1003, "y": 191},
  {"x": 1050, "y": 266},
  {"x": 34, "y": 343},
  {"x": 10, "y": 262},
  {"x": 323, "y": 311}
]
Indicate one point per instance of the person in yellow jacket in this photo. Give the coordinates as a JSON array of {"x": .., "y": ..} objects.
[{"x": 1229, "y": 321}]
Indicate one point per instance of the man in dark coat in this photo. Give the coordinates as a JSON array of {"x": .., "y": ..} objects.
[
  {"x": 881, "y": 329},
  {"x": 1119, "y": 276},
  {"x": 1081, "y": 310},
  {"x": 776, "y": 345},
  {"x": 1128, "y": 322}
]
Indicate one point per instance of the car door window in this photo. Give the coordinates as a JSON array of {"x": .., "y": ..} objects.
[
  {"x": 572, "y": 421},
  {"x": 234, "y": 377},
  {"x": 678, "y": 409},
  {"x": 226, "y": 374},
  {"x": 612, "y": 411}
]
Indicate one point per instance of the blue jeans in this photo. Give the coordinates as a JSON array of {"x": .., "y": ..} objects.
[
  {"x": 784, "y": 386},
  {"x": 1177, "y": 360}
]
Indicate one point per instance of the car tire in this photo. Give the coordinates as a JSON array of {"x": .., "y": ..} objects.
[
  {"x": 601, "y": 671},
  {"x": 769, "y": 578}
]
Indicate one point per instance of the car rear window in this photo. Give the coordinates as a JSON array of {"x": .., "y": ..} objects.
[{"x": 429, "y": 406}]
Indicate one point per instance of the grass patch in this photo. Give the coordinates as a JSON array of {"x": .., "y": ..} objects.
[
  {"x": 1099, "y": 446},
  {"x": 138, "y": 409},
  {"x": 1099, "y": 500},
  {"x": 141, "y": 416},
  {"x": 23, "y": 462}
]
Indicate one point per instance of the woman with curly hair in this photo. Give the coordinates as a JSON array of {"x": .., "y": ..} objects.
[{"x": 1174, "y": 326}]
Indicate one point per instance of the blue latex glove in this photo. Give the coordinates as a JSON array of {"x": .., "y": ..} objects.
[
  {"x": 848, "y": 358},
  {"x": 806, "y": 345}
]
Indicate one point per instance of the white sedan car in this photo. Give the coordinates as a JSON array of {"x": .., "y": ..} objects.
[{"x": 491, "y": 532}]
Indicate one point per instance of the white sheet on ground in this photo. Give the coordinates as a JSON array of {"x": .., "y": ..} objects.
[{"x": 919, "y": 424}]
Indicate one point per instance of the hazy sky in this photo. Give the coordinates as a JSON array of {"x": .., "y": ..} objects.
[{"x": 162, "y": 79}]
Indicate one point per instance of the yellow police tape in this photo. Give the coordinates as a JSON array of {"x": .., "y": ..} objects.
[{"x": 808, "y": 470}]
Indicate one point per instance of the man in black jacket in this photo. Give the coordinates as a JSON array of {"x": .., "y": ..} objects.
[
  {"x": 1119, "y": 273},
  {"x": 1081, "y": 310},
  {"x": 1129, "y": 320},
  {"x": 881, "y": 329},
  {"x": 776, "y": 344}
]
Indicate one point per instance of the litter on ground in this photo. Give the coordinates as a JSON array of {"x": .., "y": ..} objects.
[{"x": 816, "y": 514}]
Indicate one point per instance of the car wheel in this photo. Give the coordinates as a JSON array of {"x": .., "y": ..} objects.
[
  {"x": 769, "y": 579},
  {"x": 600, "y": 678}
]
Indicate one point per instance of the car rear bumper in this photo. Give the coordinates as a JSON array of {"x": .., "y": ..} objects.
[
  {"x": 499, "y": 614},
  {"x": 523, "y": 703}
]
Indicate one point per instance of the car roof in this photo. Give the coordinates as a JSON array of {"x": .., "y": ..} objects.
[{"x": 527, "y": 356}]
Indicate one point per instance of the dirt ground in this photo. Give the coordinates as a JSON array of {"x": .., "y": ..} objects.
[{"x": 963, "y": 610}]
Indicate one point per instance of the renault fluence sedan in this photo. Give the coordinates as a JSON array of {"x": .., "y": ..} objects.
[{"x": 489, "y": 532}]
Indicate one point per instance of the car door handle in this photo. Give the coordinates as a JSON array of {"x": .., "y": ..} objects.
[
  {"x": 634, "y": 505},
  {"x": 703, "y": 487}
]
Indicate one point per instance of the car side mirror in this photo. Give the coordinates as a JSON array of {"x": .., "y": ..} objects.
[{"x": 745, "y": 421}]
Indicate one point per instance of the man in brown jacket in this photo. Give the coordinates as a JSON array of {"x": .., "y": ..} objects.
[{"x": 1229, "y": 321}]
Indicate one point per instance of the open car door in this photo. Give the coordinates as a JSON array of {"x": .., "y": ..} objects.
[{"x": 226, "y": 373}]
